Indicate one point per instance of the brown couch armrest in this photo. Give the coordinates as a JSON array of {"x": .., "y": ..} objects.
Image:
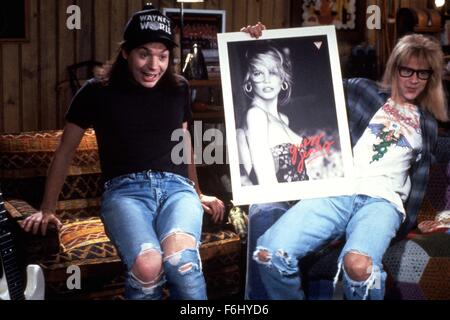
[
  {"x": 34, "y": 245},
  {"x": 18, "y": 209}
]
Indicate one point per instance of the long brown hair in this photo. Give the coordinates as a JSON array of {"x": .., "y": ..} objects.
[{"x": 429, "y": 50}]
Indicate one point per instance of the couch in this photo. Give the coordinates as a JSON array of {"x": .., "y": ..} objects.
[
  {"x": 418, "y": 267},
  {"x": 82, "y": 242}
]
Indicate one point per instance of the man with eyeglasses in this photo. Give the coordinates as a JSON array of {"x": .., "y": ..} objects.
[
  {"x": 406, "y": 72},
  {"x": 393, "y": 130}
]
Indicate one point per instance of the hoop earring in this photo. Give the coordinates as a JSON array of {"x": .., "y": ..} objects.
[
  {"x": 248, "y": 87},
  {"x": 284, "y": 86}
]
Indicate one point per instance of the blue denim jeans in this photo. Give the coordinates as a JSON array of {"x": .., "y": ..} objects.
[
  {"x": 260, "y": 218},
  {"x": 369, "y": 224},
  {"x": 139, "y": 211}
]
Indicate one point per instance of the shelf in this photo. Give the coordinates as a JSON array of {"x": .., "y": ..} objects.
[
  {"x": 212, "y": 113},
  {"x": 205, "y": 83},
  {"x": 210, "y": 116}
]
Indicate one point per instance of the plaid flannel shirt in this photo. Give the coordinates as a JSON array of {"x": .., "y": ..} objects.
[{"x": 364, "y": 97}]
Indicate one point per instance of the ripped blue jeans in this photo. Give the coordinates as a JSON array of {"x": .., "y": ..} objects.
[
  {"x": 260, "y": 218},
  {"x": 369, "y": 224},
  {"x": 139, "y": 211}
]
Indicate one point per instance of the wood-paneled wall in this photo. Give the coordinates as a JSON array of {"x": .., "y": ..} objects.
[
  {"x": 34, "y": 88},
  {"x": 384, "y": 39}
]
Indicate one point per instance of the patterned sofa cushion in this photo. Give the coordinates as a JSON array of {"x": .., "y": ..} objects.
[
  {"x": 24, "y": 162},
  {"x": 83, "y": 243},
  {"x": 437, "y": 197},
  {"x": 419, "y": 268}
]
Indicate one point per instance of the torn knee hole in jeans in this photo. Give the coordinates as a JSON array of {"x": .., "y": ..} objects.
[
  {"x": 148, "y": 253},
  {"x": 281, "y": 261},
  {"x": 179, "y": 235},
  {"x": 373, "y": 280},
  {"x": 186, "y": 268},
  {"x": 358, "y": 265},
  {"x": 148, "y": 247},
  {"x": 357, "y": 253},
  {"x": 284, "y": 256},
  {"x": 149, "y": 284},
  {"x": 176, "y": 258},
  {"x": 262, "y": 255}
]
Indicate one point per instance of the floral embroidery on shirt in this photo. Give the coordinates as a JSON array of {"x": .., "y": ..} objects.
[
  {"x": 397, "y": 123},
  {"x": 388, "y": 136}
]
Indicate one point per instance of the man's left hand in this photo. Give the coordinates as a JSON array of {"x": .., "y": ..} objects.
[{"x": 213, "y": 206}]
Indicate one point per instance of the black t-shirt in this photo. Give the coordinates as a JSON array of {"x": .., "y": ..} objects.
[{"x": 133, "y": 124}]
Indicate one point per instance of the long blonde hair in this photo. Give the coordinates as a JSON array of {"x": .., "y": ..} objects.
[{"x": 429, "y": 50}]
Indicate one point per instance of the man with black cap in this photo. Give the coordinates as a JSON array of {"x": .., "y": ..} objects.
[{"x": 152, "y": 206}]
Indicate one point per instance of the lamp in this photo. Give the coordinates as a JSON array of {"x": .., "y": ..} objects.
[
  {"x": 182, "y": 23},
  {"x": 439, "y": 3}
]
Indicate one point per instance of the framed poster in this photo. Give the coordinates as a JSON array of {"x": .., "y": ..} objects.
[
  {"x": 14, "y": 24},
  {"x": 285, "y": 115},
  {"x": 201, "y": 27},
  {"x": 341, "y": 13}
]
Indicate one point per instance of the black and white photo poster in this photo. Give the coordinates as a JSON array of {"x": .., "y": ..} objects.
[{"x": 286, "y": 121}]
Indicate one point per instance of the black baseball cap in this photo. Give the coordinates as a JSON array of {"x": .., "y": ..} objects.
[{"x": 148, "y": 25}]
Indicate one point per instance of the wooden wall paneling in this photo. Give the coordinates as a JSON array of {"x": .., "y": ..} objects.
[
  {"x": 227, "y": 5},
  {"x": 48, "y": 56},
  {"x": 11, "y": 90},
  {"x": 39, "y": 67},
  {"x": 212, "y": 4},
  {"x": 371, "y": 35},
  {"x": 239, "y": 14},
  {"x": 84, "y": 37},
  {"x": 67, "y": 52},
  {"x": 118, "y": 20},
  {"x": 84, "y": 51},
  {"x": 168, "y": 4},
  {"x": 84, "y": 44},
  {"x": 155, "y": 3},
  {"x": 195, "y": 5},
  {"x": 405, "y": 3},
  {"x": 295, "y": 14},
  {"x": 133, "y": 6},
  {"x": 253, "y": 12},
  {"x": 281, "y": 14},
  {"x": 422, "y": 4},
  {"x": 101, "y": 25},
  {"x": 29, "y": 70},
  {"x": 136, "y": 5},
  {"x": 287, "y": 14},
  {"x": 268, "y": 9}
]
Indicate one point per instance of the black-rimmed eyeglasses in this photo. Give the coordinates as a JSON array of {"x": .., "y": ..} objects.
[{"x": 422, "y": 74}]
